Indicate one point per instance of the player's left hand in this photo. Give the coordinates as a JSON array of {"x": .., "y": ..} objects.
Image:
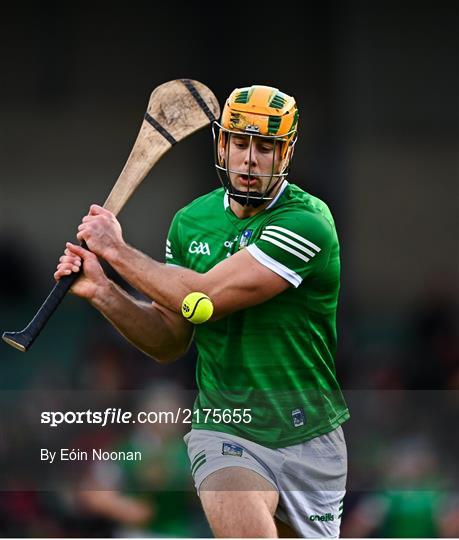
[{"x": 101, "y": 231}]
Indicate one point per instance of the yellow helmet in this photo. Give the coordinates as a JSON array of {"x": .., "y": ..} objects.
[
  {"x": 257, "y": 111},
  {"x": 262, "y": 110}
]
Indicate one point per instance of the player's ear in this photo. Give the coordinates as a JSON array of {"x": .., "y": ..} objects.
[
  {"x": 287, "y": 157},
  {"x": 222, "y": 141}
]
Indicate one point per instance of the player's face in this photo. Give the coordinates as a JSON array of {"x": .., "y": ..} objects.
[{"x": 260, "y": 159}]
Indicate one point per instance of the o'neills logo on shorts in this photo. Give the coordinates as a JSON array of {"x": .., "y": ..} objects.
[{"x": 325, "y": 517}]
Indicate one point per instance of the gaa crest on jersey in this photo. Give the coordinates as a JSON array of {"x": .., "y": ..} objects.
[
  {"x": 245, "y": 238},
  {"x": 199, "y": 248},
  {"x": 298, "y": 417},
  {"x": 229, "y": 449}
]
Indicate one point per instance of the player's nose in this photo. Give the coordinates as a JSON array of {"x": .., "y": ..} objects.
[{"x": 250, "y": 157}]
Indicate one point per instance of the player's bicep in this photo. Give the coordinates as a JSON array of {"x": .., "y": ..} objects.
[
  {"x": 296, "y": 248},
  {"x": 240, "y": 282}
]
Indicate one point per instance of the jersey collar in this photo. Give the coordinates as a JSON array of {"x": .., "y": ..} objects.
[{"x": 270, "y": 205}]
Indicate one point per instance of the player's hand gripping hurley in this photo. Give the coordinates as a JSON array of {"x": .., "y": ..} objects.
[{"x": 176, "y": 109}]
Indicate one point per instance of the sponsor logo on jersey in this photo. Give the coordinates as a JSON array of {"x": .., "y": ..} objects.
[
  {"x": 298, "y": 417},
  {"x": 199, "y": 248},
  {"x": 229, "y": 245},
  {"x": 246, "y": 235},
  {"x": 323, "y": 517},
  {"x": 229, "y": 449}
]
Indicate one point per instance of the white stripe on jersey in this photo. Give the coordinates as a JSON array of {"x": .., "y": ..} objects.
[
  {"x": 289, "y": 241},
  {"x": 168, "y": 250},
  {"x": 280, "y": 269},
  {"x": 284, "y": 247},
  {"x": 293, "y": 235}
]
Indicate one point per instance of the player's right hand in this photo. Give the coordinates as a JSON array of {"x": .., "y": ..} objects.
[{"x": 92, "y": 275}]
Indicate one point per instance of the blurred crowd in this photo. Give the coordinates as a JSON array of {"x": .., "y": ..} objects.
[{"x": 399, "y": 371}]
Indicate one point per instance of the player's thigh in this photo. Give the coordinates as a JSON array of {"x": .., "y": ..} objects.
[
  {"x": 233, "y": 493},
  {"x": 284, "y": 530},
  {"x": 313, "y": 485}
]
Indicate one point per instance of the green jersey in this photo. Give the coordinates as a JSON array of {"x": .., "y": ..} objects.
[{"x": 266, "y": 373}]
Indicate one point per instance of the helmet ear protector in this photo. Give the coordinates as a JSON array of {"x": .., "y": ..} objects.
[{"x": 262, "y": 112}]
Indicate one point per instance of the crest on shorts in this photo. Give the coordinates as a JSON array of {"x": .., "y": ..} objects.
[
  {"x": 229, "y": 449},
  {"x": 298, "y": 417}
]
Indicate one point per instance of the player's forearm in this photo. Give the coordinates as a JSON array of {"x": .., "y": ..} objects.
[
  {"x": 167, "y": 285},
  {"x": 152, "y": 329}
]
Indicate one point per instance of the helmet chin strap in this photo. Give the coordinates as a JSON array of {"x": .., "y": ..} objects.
[
  {"x": 255, "y": 198},
  {"x": 241, "y": 198}
]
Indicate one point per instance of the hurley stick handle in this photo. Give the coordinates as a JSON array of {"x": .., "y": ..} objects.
[{"x": 23, "y": 340}]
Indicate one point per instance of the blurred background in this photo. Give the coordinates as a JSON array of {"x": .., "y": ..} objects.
[{"x": 377, "y": 87}]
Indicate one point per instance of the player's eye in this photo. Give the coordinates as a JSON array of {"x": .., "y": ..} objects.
[
  {"x": 266, "y": 148},
  {"x": 240, "y": 143}
]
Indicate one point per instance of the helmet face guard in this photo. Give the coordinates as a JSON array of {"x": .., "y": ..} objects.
[
  {"x": 256, "y": 112},
  {"x": 222, "y": 150}
]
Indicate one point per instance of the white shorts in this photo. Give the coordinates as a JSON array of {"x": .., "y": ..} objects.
[{"x": 310, "y": 477}]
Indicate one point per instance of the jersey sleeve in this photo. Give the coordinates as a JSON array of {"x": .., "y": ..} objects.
[
  {"x": 294, "y": 246},
  {"x": 173, "y": 246}
]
